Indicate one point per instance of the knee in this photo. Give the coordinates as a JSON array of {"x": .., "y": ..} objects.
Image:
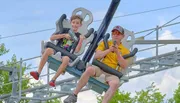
[
  {"x": 49, "y": 51},
  {"x": 65, "y": 59},
  {"x": 114, "y": 84},
  {"x": 90, "y": 71}
]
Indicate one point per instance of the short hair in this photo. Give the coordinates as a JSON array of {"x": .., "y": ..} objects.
[{"x": 77, "y": 17}]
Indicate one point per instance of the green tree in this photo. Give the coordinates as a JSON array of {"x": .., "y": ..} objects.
[
  {"x": 119, "y": 97},
  {"x": 150, "y": 95},
  {"x": 6, "y": 86},
  {"x": 176, "y": 96},
  {"x": 3, "y": 50}
]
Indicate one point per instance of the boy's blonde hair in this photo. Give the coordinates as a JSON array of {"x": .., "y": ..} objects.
[{"x": 77, "y": 17}]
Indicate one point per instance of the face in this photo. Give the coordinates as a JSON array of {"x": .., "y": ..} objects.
[
  {"x": 76, "y": 23},
  {"x": 117, "y": 36}
]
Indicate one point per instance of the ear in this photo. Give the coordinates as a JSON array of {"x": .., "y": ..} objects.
[{"x": 123, "y": 36}]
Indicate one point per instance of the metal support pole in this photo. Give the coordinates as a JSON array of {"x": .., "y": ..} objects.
[
  {"x": 157, "y": 38},
  {"x": 20, "y": 79},
  {"x": 14, "y": 77},
  {"x": 48, "y": 75}
]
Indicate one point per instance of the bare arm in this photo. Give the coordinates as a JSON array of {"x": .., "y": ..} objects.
[
  {"x": 100, "y": 54},
  {"x": 122, "y": 62},
  {"x": 78, "y": 47},
  {"x": 59, "y": 36}
]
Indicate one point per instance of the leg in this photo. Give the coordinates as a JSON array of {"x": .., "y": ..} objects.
[
  {"x": 44, "y": 58},
  {"x": 90, "y": 71},
  {"x": 62, "y": 67},
  {"x": 114, "y": 84}
]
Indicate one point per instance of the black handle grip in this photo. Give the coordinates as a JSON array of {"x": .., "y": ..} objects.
[
  {"x": 90, "y": 31},
  {"x": 105, "y": 40}
]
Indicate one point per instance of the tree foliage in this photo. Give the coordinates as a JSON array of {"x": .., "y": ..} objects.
[
  {"x": 6, "y": 85},
  {"x": 3, "y": 50},
  {"x": 176, "y": 96},
  {"x": 150, "y": 95},
  {"x": 119, "y": 96}
]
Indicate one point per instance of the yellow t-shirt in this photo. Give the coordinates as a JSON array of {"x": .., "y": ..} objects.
[{"x": 111, "y": 58}]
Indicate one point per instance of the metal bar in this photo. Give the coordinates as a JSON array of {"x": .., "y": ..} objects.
[
  {"x": 32, "y": 98},
  {"x": 101, "y": 30},
  {"x": 6, "y": 68},
  {"x": 155, "y": 28},
  {"x": 23, "y": 60},
  {"x": 52, "y": 97},
  {"x": 20, "y": 79},
  {"x": 151, "y": 48},
  {"x": 40, "y": 87},
  {"x": 61, "y": 95},
  {"x": 26, "y": 79},
  {"x": 157, "y": 70},
  {"x": 48, "y": 69},
  {"x": 156, "y": 63},
  {"x": 159, "y": 41},
  {"x": 141, "y": 70},
  {"x": 162, "y": 55}
]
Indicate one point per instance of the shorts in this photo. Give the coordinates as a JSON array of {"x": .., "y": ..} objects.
[
  {"x": 56, "y": 52},
  {"x": 108, "y": 77}
]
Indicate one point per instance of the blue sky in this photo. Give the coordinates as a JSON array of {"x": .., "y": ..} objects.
[{"x": 23, "y": 16}]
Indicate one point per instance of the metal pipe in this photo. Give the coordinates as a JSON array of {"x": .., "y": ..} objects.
[
  {"x": 157, "y": 70},
  {"x": 157, "y": 38},
  {"x": 150, "y": 58},
  {"x": 25, "y": 79},
  {"x": 150, "y": 48},
  {"x": 141, "y": 70},
  {"x": 101, "y": 31},
  {"x": 39, "y": 87},
  {"x": 155, "y": 28},
  {"x": 159, "y": 41},
  {"x": 23, "y": 60},
  {"x": 20, "y": 79}
]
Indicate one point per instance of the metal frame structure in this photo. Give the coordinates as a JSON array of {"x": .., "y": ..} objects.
[
  {"x": 158, "y": 62},
  {"x": 40, "y": 93},
  {"x": 137, "y": 69}
]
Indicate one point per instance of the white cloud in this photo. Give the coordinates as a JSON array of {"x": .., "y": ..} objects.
[
  {"x": 167, "y": 35},
  {"x": 168, "y": 85},
  {"x": 165, "y": 81}
]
